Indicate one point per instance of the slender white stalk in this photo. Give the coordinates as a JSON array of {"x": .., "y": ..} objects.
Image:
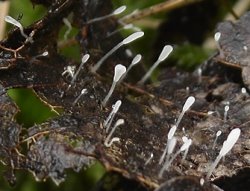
[
  {"x": 228, "y": 144},
  {"x": 226, "y": 109},
  {"x": 119, "y": 71},
  {"x": 84, "y": 60},
  {"x": 135, "y": 61},
  {"x": 216, "y": 138},
  {"x": 189, "y": 102},
  {"x": 170, "y": 136},
  {"x": 109, "y": 119},
  {"x": 83, "y": 92},
  {"x": 168, "y": 163},
  {"x": 149, "y": 159},
  {"x": 117, "y": 11},
  {"x": 117, "y": 124},
  {"x": 164, "y": 54},
  {"x": 127, "y": 40}
]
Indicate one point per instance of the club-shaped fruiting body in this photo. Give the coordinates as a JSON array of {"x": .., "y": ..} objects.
[
  {"x": 83, "y": 92},
  {"x": 117, "y": 124},
  {"x": 127, "y": 40},
  {"x": 189, "y": 102},
  {"x": 217, "y": 135},
  {"x": 149, "y": 159},
  {"x": 217, "y": 36},
  {"x": 228, "y": 144},
  {"x": 117, "y": 11},
  {"x": 226, "y": 109},
  {"x": 111, "y": 116},
  {"x": 164, "y": 54},
  {"x": 199, "y": 71},
  {"x": 170, "y": 136},
  {"x": 84, "y": 60},
  {"x": 135, "y": 61},
  {"x": 13, "y": 21},
  {"x": 68, "y": 24},
  {"x": 119, "y": 72},
  {"x": 167, "y": 163}
]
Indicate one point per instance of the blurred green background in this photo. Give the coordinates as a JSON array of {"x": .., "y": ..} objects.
[{"x": 32, "y": 111}]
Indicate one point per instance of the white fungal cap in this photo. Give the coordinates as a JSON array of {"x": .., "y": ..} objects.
[
  {"x": 218, "y": 133},
  {"x": 136, "y": 60},
  {"x": 172, "y": 132},
  {"x": 226, "y": 108},
  {"x": 119, "y": 122},
  {"x": 116, "y": 106},
  {"x": 165, "y": 52},
  {"x": 119, "y": 10},
  {"x": 184, "y": 139},
  {"x": 13, "y": 21},
  {"x": 217, "y": 36},
  {"x": 119, "y": 71},
  {"x": 84, "y": 91},
  {"x": 189, "y": 102},
  {"x": 133, "y": 37},
  {"x": 85, "y": 58},
  {"x": 230, "y": 142},
  {"x": 171, "y": 145},
  {"x": 46, "y": 53},
  {"x": 243, "y": 90},
  {"x": 186, "y": 145}
]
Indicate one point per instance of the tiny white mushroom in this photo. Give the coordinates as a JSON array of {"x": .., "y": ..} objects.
[
  {"x": 135, "y": 61},
  {"x": 83, "y": 92},
  {"x": 189, "y": 102},
  {"x": 85, "y": 58},
  {"x": 226, "y": 109},
  {"x": 127, "y": 40},
  {"x": 167, "y": 163},
  {"x": 117, "y": 124},
  {"x": 117, "y": 11},
  {"x": 119, "y": 71},
  {"x": 227, "y": 146},
  {"x": 164, "y": 54},
  {"x": 216, "y": 138},
  {"x": 170, "y": 136},
  {"x": 112, "y": 114}
]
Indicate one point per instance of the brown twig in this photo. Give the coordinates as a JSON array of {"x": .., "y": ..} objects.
[
  {"x": 161, "y": 7},
  {"x": 4, "y": 9}
]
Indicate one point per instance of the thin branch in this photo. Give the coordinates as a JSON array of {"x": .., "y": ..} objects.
[
  {"x": 4, "y": 9},
  {"x": 161, "y": 7}
]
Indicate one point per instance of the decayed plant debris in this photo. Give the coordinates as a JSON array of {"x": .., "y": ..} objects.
[{"x": 76, "y": 137}]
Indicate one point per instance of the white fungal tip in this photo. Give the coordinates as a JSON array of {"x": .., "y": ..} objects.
[
  {"x": 46, "y": 53},
  {"x": 136, "y": 59},
  {"x": 84, "y": 91},
  {"x": 85, "y": 58},
  {"x": 230, "y": 142},
  {"x": 217, "y": 36},
  {"x": 165, "y": 52},
  {"x": 133, "y": 37},
  {"x": 172, "y": 132},
  {"x": 218, "y": 133},
  {"x": 226, "y": 108},
  {"x": 13, "y": 21},
  {"x": 243, "y": 90},
  {"x": 184, "y": 139},
  {"x": 119, "y": 71},
  {"x": 116, "y": 106},
  {"x": 119, "y": 122},
  {"x": 189, "y": 102},
  {"x": 186, "y": 145},
  {"x": 119, "y": 10}
]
